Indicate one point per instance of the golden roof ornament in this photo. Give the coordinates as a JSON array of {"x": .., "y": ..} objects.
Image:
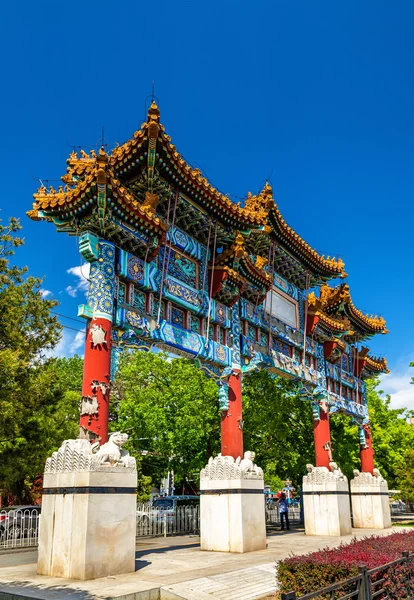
[
  {"x": 150, "y": 202},
  {"x": 334, "y": 299},
  {"x": 239, "y": 245},
  {"x": 261, "y": 262},
  {"x": 153, "y": 113},
  {"x": 259, "y": 206}
]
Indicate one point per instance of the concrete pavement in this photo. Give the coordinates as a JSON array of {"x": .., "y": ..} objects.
[{"x": 180, "y": 570}]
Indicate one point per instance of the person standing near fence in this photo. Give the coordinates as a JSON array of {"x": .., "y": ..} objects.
[{"x": 283, "y": 512}]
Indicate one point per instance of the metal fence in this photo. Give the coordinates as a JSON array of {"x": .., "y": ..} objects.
[
  {"x": 380, "y": 583},
  {"x": 155, "y": 522},
  {"x": 20, "y": 527},
  {"x": 273, "y": 516}
]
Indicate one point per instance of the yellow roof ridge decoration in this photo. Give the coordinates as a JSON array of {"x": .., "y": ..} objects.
[
  {"x": 377, "y": 364},
  {"x": 260, "y": 205},
  {"x": 335, "y": 265},
  {"x": 335, "y": 299},
  {"x": 315, "y": 307},
  {"x": 91, "y": 169},
  {"x": 238, "y": 251},
  {"x": 260, "y": 211},
  {"x": 256, "y": 209}
]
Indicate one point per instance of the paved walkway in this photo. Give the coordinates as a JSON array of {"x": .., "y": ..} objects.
[{"x": 178, "y": 571}]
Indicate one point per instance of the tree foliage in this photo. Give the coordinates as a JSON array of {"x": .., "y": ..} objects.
[
  {"x": 392, "y": 435},
  {"x": 405, "y": 475},
  {"x": 169, "y": 408},
  {"x": 37, "y": 410},
  {"x": 173, "y": 406},
  {"x": 277, "y": 426}
]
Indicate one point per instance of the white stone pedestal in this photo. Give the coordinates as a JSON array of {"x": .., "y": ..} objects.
[
  {"x": 232, "y": 507},
  {"x": 370, "y": 501},
  {"x": 88, "y": 518},
  {"x": 326, "y": 502}
]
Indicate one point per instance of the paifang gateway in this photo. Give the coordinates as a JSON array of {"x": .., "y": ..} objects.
[{"x": 178, "y": 266}]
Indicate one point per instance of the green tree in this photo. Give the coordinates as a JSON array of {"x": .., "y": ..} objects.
[
  {"x": 33, "y": 405},
  {"x": 277, "y": 426},
  {"x": 51, "y": 417},
  {"x": 405, "y": 476},
  {"x": 392, "y": 435},
  {"x": 345, "y": 444},
  {"x": 170, "y": 409}
]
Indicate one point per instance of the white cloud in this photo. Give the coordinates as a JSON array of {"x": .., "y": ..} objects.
[
  {"x": 45, "y": 293},
  {"x": 68, "y": 344},
  {"x": 398, "y": 385},
  {"x": 77, "y": 342},
  {"x": 82, "y": 283}
]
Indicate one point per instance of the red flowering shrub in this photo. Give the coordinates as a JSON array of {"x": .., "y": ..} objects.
[{"x": 310, "y": 572}]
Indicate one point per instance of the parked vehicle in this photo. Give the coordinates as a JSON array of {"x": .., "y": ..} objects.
[
  {"x": 397, "y": 506},
  {"x": 18, "y": 522}
]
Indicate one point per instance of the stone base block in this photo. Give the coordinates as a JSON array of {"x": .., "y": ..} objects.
[
  {"x": 232, "y": 515},
  {"x": 88, "y": 524},
  {"x": 326, "y": 503},
  {"x": 370, "y": 501}
]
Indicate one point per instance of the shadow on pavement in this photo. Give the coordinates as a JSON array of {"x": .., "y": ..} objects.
[
  {"x": 51, "y": 592},
  {"x": 164, "y": 549}
]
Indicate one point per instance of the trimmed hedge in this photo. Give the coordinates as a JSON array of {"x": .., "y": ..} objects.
[{"x": 310, "y": 572}]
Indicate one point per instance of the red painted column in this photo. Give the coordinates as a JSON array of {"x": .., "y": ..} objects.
[
  {"x": 96, "y": 379},
  {"x": 232, "y": 420},
  {"x": 322, "y": 440},
  {"x": 367, "y": 454}
]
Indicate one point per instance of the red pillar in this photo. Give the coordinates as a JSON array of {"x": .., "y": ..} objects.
[
  {"x": 322, "y": 440},
  {"x": 96, "y": 378},
  {"x": 232, "y": 420},
  {"x": 367, "y": 454}
]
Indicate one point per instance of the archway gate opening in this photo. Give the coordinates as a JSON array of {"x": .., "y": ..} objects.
[{"x": 176, "y": 265}]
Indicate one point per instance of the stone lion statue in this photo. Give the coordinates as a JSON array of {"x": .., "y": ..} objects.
[
  {"x": 247, "y": 463},
  {"x": 112, "y": 452},
  {"x": 335, "y": 469}
]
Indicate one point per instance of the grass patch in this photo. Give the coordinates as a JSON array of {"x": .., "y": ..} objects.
[{"x": 408, "y": 524}]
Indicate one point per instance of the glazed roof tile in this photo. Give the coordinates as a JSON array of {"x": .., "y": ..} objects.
[
  {"x": 338, "y": 300},
  {"x": 259, "y": 212}
]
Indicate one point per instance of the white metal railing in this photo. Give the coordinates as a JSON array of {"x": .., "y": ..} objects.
[
  {"x": 153, "y": 521},
  {"x": 19, "y": 527}
]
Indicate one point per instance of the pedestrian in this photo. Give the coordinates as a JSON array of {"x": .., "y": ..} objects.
[{"x": 283, "y": 512}]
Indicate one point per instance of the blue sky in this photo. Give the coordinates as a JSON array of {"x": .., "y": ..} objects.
[{"x": 316, "y": 96}]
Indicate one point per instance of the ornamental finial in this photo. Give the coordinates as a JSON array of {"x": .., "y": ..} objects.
[
  {"x": 267, "y": 190},
  {"x": 153, "y": 113}
]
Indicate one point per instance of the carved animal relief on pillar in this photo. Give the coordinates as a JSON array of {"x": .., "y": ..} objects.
[
  {"x": 226, "y": 467},
  {"x": 366, "y": 478},
  {"x": 323, "y": 474},
  {"x": 81, "y": 455}
]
